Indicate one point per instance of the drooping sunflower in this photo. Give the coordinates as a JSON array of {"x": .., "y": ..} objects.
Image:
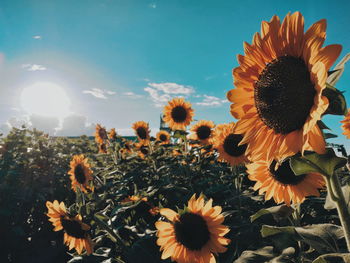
[
  {"x": 277, "y": 180},
  {"x": 178, "y": 114},
  {"x": 102, "y": 148},
  {"x": 76, "y": 233},
  {"x": 346, "y": 125},
  {"x": 100, "y": 134},
  {"x": 133, "y": 198},
  {"x": 194, "y": 235},
  {"x": 227, "y": 142},
  {"x": 80, "y": 173},
  {"x": 163, "y": 137},
  {"x": 112, "y": 134},
  {"x": 127, "y": 149},
  {"x": 278, "y": 96},
  {"x": 142, "y": 130},
  {"x": 202, "y": 131},
  {"x": 154, "y": 210},
  {"x": 143, "y": 149}
]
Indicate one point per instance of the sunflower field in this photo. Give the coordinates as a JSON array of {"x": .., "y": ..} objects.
[{"x": 266, "y": 187}]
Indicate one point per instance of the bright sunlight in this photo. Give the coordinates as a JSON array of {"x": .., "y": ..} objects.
[{"x": 45, "y": 98}]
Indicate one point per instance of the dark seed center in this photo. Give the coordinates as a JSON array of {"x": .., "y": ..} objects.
[
  {"x": 79, "y": 174},
  {"x": 102, "y": 133},
  {"x": 73, "y": 228},
  {"x": 203, "y": 132},
  {"x": 284, "y": 94},
  {"x": 284, "y": 174},
  {"x": 179, "y": 114},
  {"x": 192, "y": 231},
  {"x": 231, "y": 145},
  {"x": 163, "y": 137},
  {"x": 144, "y": 150},
  {"x": 142, "y": 133}
]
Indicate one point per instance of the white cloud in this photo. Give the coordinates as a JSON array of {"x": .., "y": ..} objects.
[
  {"x": 211, "y": 101},
  {"x": 158, "y": 99},
  {"x": 152, "y": 5},
  {"x": 99, "y": 93},
  {"x": 132, "y": 95},
  {"x": 172, "y": 88},
  {"x": 33, "y": 67},
  {"x": 72, "y": 125},
  {"x": 161, "y": 93},
  {"x": 37, "y": 37},
  {"x": 44, "y": 123},
  {"x": 210, "y": 77},
  {"x": 75, "y": 125}
]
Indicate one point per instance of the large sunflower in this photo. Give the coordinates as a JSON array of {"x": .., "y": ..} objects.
[
  {"x": 75, "y": 231},
  {"x": 277, "y": 180},
  {"x": 278, "y": 96},
  {"x": 142, "y": 130},
  {"x": 202, "y": 131},
  {"x": 100, "y": 134},
  {"x": 346, "y": 125},
  {"x": 80, "y": 173},
  {"x": 194, "y": 235},
  {"x": 178, "y": 114},
  {"x": 227, "y": 142},
  {"x": 163, "y": 137}
]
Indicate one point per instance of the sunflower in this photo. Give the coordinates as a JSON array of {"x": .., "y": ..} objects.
[
  {"x": 100, "y": 134},
  {"x": 102, "y": 148},
  {"x": 133, "y": 198},
  {"x": 142, "y": 130},
  {"x": 163, "y": 137},
  {"x": 143, "y": 149},
  {"x": 202, "y": 131},
  {"x": 177, "y": 152},
  {"x": 178, "y": 114},
  {"x": 80, "y": 173},
  {"x": 127, "y": 149},
  {"x": 277, "y": 180},
  {"x": 227, "y": 142},
  {"x": 278, "y": 96},
  {"x": 154, "y": 210},
  {"x": 112, "y": 134},
  {"x": 75, "y": 231},
  {"x": 346, "y": 125},
  {"x": 194, "y": 235}
]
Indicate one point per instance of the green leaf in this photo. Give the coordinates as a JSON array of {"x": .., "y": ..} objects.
[
  {"x": 329, "y": 135},
  {"x": 267, "y": 231},
  {"x": 278, "y": 212},
  {"x": 330, "y": 204},
  {"x": 322, "y": 125},
  {"x": 102, "y": 252},
  {"x": 325, "y": 164},
  {"x": 265, "y": 254},
  {"x": 338, "y": 70},
  {"x": 104, "y": 226},
  {"x": 337, "y": 102},
  {"x": 333, "y": 258},
  {"x": 321, "y": 237}
]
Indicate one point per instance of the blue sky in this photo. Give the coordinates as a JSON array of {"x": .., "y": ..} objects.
[{"x": 119, "y": 60}]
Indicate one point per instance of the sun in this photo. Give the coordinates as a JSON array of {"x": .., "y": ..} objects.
[{"x": 45, "y": 98}]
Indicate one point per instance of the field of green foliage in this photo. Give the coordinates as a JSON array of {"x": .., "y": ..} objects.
[{"x": 129, "y": 190}]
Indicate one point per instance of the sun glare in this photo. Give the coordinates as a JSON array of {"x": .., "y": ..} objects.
[{"x": 45, "y": 98}]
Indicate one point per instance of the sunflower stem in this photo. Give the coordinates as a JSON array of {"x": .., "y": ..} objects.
[
  {"x": 334, "y": 187},
  {"x": 186, "y": 144}
]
